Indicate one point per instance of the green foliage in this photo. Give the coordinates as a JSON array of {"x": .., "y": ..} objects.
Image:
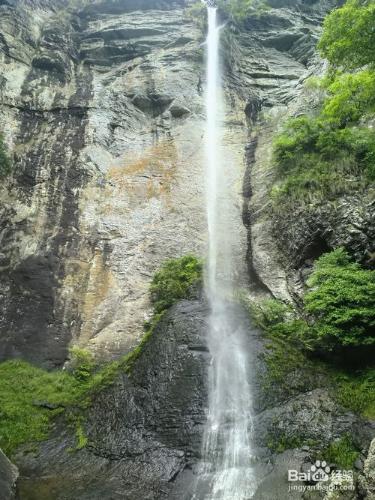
[
  {"x": 331, "y": 154},
  {"x": 82, "y": 363},
  {"x": 174, "y": 280},
  {"x": 350, "y": 98},
  {"x": 348, "y": 38},
  {"x": 239, "y": 10},
  {"x": 341, "y": 452},
  {"x": 316, "y": 161},
  {"x": 341, "y": 302},
  {"x": 132, "y": 357},
  {"x": 269, "y": 314},
  {"x": 29, "y": 397},
  {"x": 356, "y": 392},
  {"x": 81, "y": 437},
  {"x": 197, "y": 11},
  {"x": 282, "y": 359},
  {"x": 5, "y": 165},
  {"x": 282, "y": 442},
  {"x": 339, "y": 306},
  {"x": 281, "y": 322}
]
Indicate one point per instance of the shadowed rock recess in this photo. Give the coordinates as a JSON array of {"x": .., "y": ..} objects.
[{"x": 103, "y": 114}]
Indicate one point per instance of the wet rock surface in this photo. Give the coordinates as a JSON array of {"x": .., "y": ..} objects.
[
  {"x": 142, "y": 431},
  {"x": 367, "y": 478},
  {"x": 8, "y": 477}
]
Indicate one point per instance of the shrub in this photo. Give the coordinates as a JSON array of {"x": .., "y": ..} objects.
[
  {"x": 82, "y": 363},
  {"x": 350, "y": 97},
  {"x": 356, "y": 392},
  {"x": 307, "y": 141},
  {"x": 314, "y": 160},
  {"x": 5, "y": 165},
  {"x": 348, "y": 38},
  {"x": 341, "y": 302},
  {"x": 280, "y": 442},
  {"x": 333, "y": 153},
  {"x": 268, "y": 313},
  {"x": 341, "y": 452},
  {"x": 339, "y": 306},
  {"x": 174, "y": 280}
]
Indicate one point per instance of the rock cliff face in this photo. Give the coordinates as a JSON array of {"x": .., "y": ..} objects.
[
  {"x": 283, "y": 245},
  {"x": 96, "y": 104},
  {"x": 102, "y": 110}
]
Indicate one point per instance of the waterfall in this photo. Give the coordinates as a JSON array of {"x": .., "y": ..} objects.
[{"x": 226, "y": 471}]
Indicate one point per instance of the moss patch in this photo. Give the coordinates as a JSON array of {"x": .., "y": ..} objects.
[
  {"x": 281, "y": 442},
  {"x": 355, "y": 391},
  {"x": 29, "y": 398},
  {"x": 291, "y": 367},
  {"x": 342, "y": 452}
]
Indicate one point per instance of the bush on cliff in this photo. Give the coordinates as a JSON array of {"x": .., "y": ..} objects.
[
  {"x": 315, "y": 161},
  {"x": 338, "y": 307},
  {"x": 173, "y": 281},
  {"x": 341, "y": 302},
  {"x": 348, "y": 38},
  {"x": 82, "y": 363},
  {"x": 350, "y": 98},
  {"x": 332, "y": 153},
  {"x": 338, "y": 314}
]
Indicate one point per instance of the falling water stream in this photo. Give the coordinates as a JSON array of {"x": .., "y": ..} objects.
[{"x": 226, "y": 469}]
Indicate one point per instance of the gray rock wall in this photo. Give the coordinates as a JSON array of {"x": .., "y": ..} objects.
[
  {"x": 8, "y": 477},
  {"x": 101, "y": 111}
]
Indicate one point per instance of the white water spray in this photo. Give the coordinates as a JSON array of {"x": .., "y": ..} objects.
[{"x": 227, "y": 472}]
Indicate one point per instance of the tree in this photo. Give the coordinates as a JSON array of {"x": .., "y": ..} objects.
[
  {"x": 348, "y": 38},
  {"x": 350, "y": 97},
  {"x": 341, "y": 302}
]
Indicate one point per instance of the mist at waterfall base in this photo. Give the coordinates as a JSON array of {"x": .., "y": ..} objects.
[{"x": 226, "y": 470}]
